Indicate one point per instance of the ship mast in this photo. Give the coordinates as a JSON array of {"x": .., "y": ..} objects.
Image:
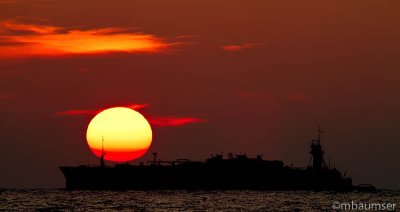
[
  {"x": 102, "y": 144},
  {"x": 317, "y": 154},
  {"x": 102, "y": 164}
]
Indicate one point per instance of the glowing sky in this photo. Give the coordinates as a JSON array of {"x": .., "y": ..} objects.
[{"x": 255, "y": 77}]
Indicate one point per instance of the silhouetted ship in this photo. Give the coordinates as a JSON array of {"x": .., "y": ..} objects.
[{"x": 216, "y": 173}]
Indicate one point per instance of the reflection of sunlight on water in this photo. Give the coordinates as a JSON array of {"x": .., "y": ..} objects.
[{"x": 183, "y": 200}]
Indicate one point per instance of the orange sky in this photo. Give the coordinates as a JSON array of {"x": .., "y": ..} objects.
[{"x": 232, "y": 76}]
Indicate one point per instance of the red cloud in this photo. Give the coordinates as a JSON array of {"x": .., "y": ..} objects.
[
  {"x": 173, "y": 121},
  {"x": 77, "y": 112},
  {"x": 137, "y": 106},
  {"x": 43, "y": 40},
  {"x": 94, "y": 112},
  {"x": 167, "y": 121},
  {"x": 239, "y": 47}
]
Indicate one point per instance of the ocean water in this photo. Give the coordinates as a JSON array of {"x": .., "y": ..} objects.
[{"x": 61, "y": 200}]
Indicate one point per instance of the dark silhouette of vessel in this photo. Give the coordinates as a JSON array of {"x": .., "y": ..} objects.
[{"x": 216, "y": 173}]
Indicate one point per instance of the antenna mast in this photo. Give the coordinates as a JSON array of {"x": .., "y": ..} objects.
[
  {"x": 317, "y": 154},
  {"x": 319, "y": 134},
  {"x": 102, "y": 164},
  {"x": 102, "y": 144}
]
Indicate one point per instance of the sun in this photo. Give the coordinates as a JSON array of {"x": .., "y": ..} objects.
[{"x": 122, "y": 134}]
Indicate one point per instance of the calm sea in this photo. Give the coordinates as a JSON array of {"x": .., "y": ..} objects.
[{"x": 60, "y": 200}]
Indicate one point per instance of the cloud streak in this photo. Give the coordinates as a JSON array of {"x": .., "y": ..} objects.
[
  {"x": 12, "y": 26},
  {"x": 163, "y": 121},
  {"x": 239, "y": 47},
  {"x": 21, "y": 40},
  {"x": 94, "y": 112},
  {"x": 173, "y": 121},
  {"x": 77, "y": 112}
]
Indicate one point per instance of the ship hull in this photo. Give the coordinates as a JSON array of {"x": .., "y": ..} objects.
[{"x": 203, "y": 177}]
